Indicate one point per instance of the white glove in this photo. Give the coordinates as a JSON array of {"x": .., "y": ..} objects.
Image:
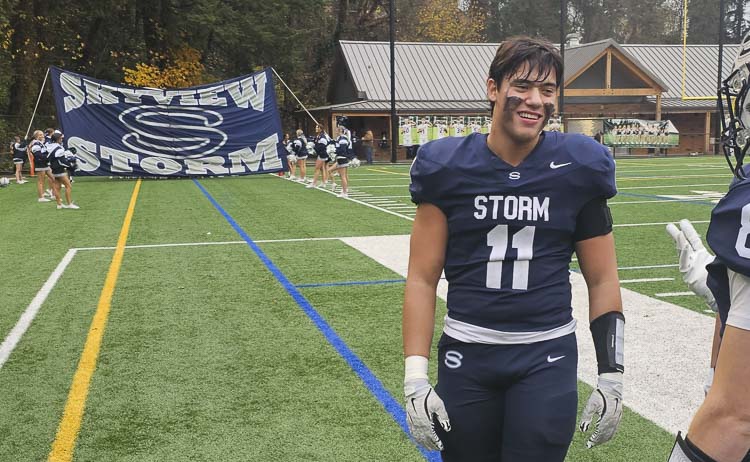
[
  {"x": 606, "y": 403},
  {"x": 693, "y": 260},
  {"x": 709, "y": 381},
  {"x": 422, "y": 403}
]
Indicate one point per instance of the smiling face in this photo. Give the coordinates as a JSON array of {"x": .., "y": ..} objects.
[{"x": 524, "y": 102}]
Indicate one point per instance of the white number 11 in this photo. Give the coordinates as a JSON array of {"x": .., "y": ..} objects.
[{"x": 523, "y": 241}]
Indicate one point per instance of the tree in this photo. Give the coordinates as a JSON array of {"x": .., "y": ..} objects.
[
  {"x": 443, "y": 21},
  {"x": 521, "y": 17},
  {"x": 735, "y": 22},
  {"x": 183, "y": 68}
]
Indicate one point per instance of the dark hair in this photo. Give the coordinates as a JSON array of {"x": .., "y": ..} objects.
[
  {"x": 538, "y": 53},
  {"x": 56, "y": 137}
]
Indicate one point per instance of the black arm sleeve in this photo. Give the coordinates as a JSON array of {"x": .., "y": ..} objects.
[{"x": 593, "y": 220}]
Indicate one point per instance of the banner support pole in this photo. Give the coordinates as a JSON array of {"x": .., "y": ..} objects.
[
  {"x": 41, "y": 90},
  {"x": 295, "y": 96}
]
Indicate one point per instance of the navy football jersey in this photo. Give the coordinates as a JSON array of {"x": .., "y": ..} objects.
[
  {"x": 729, "y": 237},
  {"x": 511, "y": 229}
]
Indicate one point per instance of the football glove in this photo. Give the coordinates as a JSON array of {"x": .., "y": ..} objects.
[
  {"x": 606, "y": 404},
  {"x": 422, "y": 403},
  {"x": 693, "y": 259}
]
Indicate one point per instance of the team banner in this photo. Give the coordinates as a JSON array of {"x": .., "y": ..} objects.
[
  {"x": 418, "y": 130},
  {"x": 636, "y": 133},
  {"x": 226, "y": 128}
]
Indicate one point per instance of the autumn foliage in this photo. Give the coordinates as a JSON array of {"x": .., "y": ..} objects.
[
  {"x": 440, "y": 21},
  {"x": 182, "y": 68}
]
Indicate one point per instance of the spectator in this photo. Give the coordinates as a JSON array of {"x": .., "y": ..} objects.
[{"x": 367, "y": 143}]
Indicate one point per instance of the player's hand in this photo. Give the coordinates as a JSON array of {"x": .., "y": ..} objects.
[
  {"x": 693, "y": 259},
  {"x": 422, "y": 403},
  {"x": 605, "y": 404}
]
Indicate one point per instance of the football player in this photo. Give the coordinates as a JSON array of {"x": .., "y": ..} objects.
[
  {"x": 720, "y": 430},
  {"x": 501, "y": 214}
]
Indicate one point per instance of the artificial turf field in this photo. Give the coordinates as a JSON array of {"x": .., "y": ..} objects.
[{"x": 235, "y": 324}]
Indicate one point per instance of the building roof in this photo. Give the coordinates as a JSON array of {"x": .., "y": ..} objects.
[
  {"x": 454, "y": 107},
  {"x": 700, "y": 66},
  {"x": 582, "y": 55},
  {"x": 453, "y": 72},
  {"x": 424, "y": 71}
]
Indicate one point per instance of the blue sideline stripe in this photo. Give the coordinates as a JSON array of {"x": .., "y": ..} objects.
[
  {"x": 352, "y": 283},
  {"x": 370, "y": 380}
]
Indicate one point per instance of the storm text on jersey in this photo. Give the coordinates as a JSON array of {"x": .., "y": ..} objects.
[{"x": 522, "y": 208}]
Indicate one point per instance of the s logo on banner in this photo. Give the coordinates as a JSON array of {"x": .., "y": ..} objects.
[{"x": 147, "y": 125}]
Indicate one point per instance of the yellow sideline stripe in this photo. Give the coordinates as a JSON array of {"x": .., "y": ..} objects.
[
  {"x": 67, "y": 432},
  {"x": 387, "y": 171}
]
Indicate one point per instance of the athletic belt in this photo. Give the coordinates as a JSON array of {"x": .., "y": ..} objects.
[{"x": 469, "y": 333}]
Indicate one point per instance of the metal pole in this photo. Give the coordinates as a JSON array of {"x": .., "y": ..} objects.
[
  {"x": 41, "y": 90},
  {"x": 394, "y": 120},
  {"x": 563, "y": 17},
  {"x": 718, "y": 78}
]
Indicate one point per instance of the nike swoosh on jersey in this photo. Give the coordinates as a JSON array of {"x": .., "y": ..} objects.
[
  {"x": 553, "y": 165},
  {"x": 550, "y": 359}
]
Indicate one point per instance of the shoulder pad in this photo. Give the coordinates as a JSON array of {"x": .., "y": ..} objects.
[
  {"x": 595, "y": 158},
  {"x": 428, "y": 171},
  {"x": 729, "y": 232}
]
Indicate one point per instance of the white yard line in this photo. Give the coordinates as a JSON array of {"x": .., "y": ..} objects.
[
  {"x": 674, "y": 294},
  {"x": 673, "y": 177},
  {"x": 646, "y": 170},
  {"x": 630, "y": 225},
  {"x": 702, "y": 199},
  {"x": 633, "y": 281},
  {"x": 10, "y": 342},
  {"x": 382, "y": 186},
  {"x": 647, "y": 267},
  {"x": 352, "y": 198},
  {"x": 187, "y": 244},
  {"x": 381, "y": 178},
  {"x": 726, "y": 185}
]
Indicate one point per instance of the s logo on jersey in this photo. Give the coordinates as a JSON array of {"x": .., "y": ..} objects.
[{"x": 453, "y": 359}]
